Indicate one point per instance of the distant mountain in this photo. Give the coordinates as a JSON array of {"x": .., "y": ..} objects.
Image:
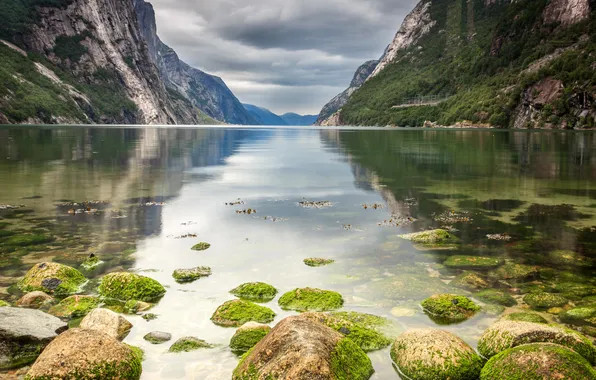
[
  {"x": 294, "y": 119},
  {"x": 263, "y": 116}
]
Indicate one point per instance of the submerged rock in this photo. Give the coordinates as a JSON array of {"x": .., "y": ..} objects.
[
  {"x": 190, "y": 275},
  {"x": 52, "y": 278},
  {"x": 580, "y": 316},
  {"x": 496, "y": 297},
  {"x": 24, "y": 333},
  {"x": 255, "y": 291},
  {"x": 247, "y": 336},
  {"x": 507, "y": 334},
  {"x": 107, "y": 322},
  {"x": 538, "y": 361},
  {"x": 438, "y": 236},
  {"x": 188, "y": 344},
  {"x": 317, "y": 261},
  {"x": 301, "y": 349},
  {"x": 74, "y": 306},
  {"x": 472, "y": 262},
  {"x": 449, "y": 308},
  {"x": 202, "y": 246},
  {"x": 35, "y": 300},
  {"x": 435, "y": 354},
  {"x": 469, "y": 281},
  {"x": 311, "y": 299},
  {"x": 542, "y": 301},
  {"x": 80, "y": 353},
  {"x": 157, "y": 337},
  {"x": 130, "y": 286},
  {"x": 235, "y": 313},
  {"x": 525, "y": 317}
]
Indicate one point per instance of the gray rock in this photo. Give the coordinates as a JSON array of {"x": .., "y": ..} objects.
[
  {"x": 24, "y": 333},
  {"x": 157, "y": 337}
]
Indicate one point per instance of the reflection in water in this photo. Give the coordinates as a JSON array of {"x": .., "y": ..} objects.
[{"x": 516, "y": 196}]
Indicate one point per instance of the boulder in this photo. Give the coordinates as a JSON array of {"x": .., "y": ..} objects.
[
  {"x": 107, "y": 322},
  {"x": 86, "y": 354},
  {"x": 496, "y": 297},
  {"x": 24, "y": 333},
  {"x": 35, "y": 300},
  {"x": 247, "y": 336},
  {"x": 130, "y": 286},
  {"x": 191, "y": 274},
  {"x": 235, "y": 313},
  {"x": 301, "y": 349},
  {"x": 431, "y": 354},
  {"x": 311, "y": 299},
  {"x": 580, "y": 316},
  {"x": 449, "y": 308},
  {"x": 472, "y": 262},
  {"x": 255, "y": 291},
  {"x": 543, "y": 301},
  {"x": 188, "y": 344},
  {"x": 52, "y": 278},
  {"x": 157, "y": 337},
  {"x": 503, "y": 335},
  {"x": 538, "y": 361},
  {"x": 74, "y": 307}
]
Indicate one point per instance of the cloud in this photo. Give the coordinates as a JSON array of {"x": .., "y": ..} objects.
[{"x": 285, "y": 55}]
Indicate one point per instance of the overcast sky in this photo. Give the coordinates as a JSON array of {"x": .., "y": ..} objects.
[{"x": 285, "y": 55}]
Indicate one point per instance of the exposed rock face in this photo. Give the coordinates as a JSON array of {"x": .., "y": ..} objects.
[
  {"x": 207, "y": 92},
  {"x": 566, "y": 12},
  {"x": 107, "y": 322}
]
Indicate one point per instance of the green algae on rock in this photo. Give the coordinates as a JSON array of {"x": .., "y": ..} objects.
[
  {"x": 235, "y": 313},
  {"x": 449, "y": 308},
  {"x": 496, "y": 297},
  {"x": 317, "y": 262},
  {"x": 538, "y": 361},
  {"x": 525, "y": 317},
  {"x": 191, "y": 274},
  {"x": 74, "y": 306},
  {"x": 188, "y": 344},
  {"x": 515, "y": 272},
  {"x": 435, "y": 354},
  {"x": 247, "y": 336},
  {"x": 542, "y": 301},
  {"x": 503, "y": 335},
  {"x": 580, "y": 316},
  {"x": 130, "y": 286},
  {"x": 311, "y": 299},
  {"x": 472, "y": 262},
  {"x": 255, "y": 291},
  {"x": 469, "y": 281},
  {"x": 52, "y": 278},
  {"x": 202, "y": 246}
]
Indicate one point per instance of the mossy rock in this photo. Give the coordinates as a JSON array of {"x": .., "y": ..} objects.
[
  {"x": 542, "y": 301},
  {"x": 311, "y": 299},
  {"x": 202, "y": 246},
  {"x": 567, "y": 258},
  {"x": 449, "y": 308},
  {"x": 575, "y": 290},
  {"x": 525, "y": 317},
  {"x": 130, "y": 286},
  {"x": 255, "y": 291},
  {"x": 472, "y": 262},
  {"x": 317, "y": 262},
  {"x": 427, "y": 354},
  {"x": 191, "y": 274},
  {"x": 235, "y": 313},
  {"x": 515, "y": 272},
  {"x": 247, "y": 336},
  {"x": 496, "y": 297},
  {"x": 52, "y": 278},
  {"x": 538, "y": 361},
  {"x": 91, "y": 263},
  {"x": 503, "y": 335},
  {"x": 74, "y": 307},
  {"x": 580, "y": 316},
  {"x": 188, "y": 344},
  {"x": 469, "y": 281},
  {"x": 26, "y": 240}
]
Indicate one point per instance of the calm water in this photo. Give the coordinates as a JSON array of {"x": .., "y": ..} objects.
[{"x": 537, "y": 187}]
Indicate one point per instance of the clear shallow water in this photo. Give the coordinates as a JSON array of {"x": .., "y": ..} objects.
[{"x": 539, "y": 188}]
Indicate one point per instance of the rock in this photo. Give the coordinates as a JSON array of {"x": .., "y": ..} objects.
[
  {"x": 247, "y": 336},
  {"x": 190, "y": 275},
  {"x": 35, "y": 300},
  {"x": 107, "y": 322},
  {"x": 524, "y": 317},
  {"x": 201, "y": 246},
  {"x": 541, "y": 301},
  {"x": 438, "y": 236},
  {"x": 430, "y": 354},
  {"x": 503, "y": 335},
  {"x": 52, "y": 278},
  {"x": 255, "y": 291},
  {"x": 86, "y": 354},
  {"x": 317, "y": 262},
  {"x": 496, "y": 297},
  {"x": 74, "y": 307},
  {"x": 301, "y": 349},
  {"x": 24, "y": 333},
  {"x": 157, "y": 337},
  {"x": 472, "y": 262},
  {"x": 469, "y": 281},
  {"x": 130, "y": 286},
  {"x": 311, "y": 299},
  {"x": 515, "y": 272},
  {"x": 235, "y": 313},
  {"x": 580, "y": 316},
  {"x": 538, "y": 361},
  {"x": 188, "y": 344},
  {"x": 449, "y": 308}
]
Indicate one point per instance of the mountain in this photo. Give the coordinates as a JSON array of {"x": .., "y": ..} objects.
[
  {"x": 499, "y": 63},
  {"x": 263, "y": 116},
  {"x": 298, "y": 120},
  {"x": 207, "y": 92}
]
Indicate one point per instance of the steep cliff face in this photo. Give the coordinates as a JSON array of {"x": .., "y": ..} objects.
[{"x": 207, "y": 92}]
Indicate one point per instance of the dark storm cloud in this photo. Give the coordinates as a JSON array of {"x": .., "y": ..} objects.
[{"x": 284, "y": 55}]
